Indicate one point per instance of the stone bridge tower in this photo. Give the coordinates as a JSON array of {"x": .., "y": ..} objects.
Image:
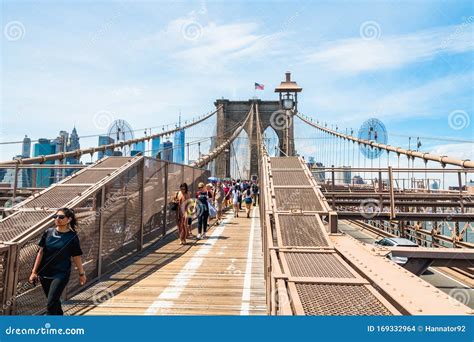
[{"x": 276, "y": 114}]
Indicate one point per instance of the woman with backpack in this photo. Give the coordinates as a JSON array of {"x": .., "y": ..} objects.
[
  {"x": 58, "y": 245},
  {"x": 248, "y": 201}
]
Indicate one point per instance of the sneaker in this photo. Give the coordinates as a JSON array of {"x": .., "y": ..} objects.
[
  {"x": 198, "y": 237},
  {"x": 204, "y": 236}
]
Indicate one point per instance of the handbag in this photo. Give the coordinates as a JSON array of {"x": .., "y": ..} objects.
[
  {"x": 212, "y": 210},
  {"x": 173, "y": 206}
]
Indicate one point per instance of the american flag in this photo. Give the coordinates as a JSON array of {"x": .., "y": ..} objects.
[{"x": 259, "y": 86}]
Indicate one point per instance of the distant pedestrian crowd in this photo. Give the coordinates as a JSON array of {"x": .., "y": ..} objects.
[{"x": 210, "y": 201}]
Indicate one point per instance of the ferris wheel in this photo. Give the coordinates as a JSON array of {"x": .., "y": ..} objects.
[
  {"x": 120, "y": 130},
  {"x": 372, "y": 130}
]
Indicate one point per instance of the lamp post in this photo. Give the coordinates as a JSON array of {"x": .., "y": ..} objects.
[{"x": 288, "y": 102}]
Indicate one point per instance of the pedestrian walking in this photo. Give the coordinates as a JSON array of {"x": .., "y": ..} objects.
[
  {"x": 219, "y": 197},
  {"x": 58, "y": 245},
  {"x": 248, "y": 201},
  {"x": 183, "y": 197},
  {"x": 202, "y": 197},
  {"x": 236, "y": 196}
]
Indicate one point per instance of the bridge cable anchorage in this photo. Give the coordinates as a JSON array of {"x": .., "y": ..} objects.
[
  {"x": 443, "y": 160},
  {"x": 206, "y": 159},
  {"x": 103, "y": 148}
]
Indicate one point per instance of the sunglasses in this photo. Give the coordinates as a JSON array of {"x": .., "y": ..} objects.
[{"x": 61, "y": 217}]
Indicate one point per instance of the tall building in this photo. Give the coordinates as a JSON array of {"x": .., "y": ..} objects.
[
  {"x": 61, "y": 146},
  {"x": 357, "y": 179},
  {"x": 26, "y": 147},
  {"x": 139, "y": 147},
  {"x": 155, "y": 146},
  {"x": 105, "y": 140},
  {"x": 167, "y": 153},
  {"x": 23, "y": 176},
  {"x": 72, "y": 144},
  {"x": 44, "y": 177},
  {"x": 178, "y": 151},
  {"x": 344, "y": 176},
  {"x": 318, "y": 172}
]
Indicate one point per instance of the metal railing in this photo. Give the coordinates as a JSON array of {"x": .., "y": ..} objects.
[
  {"x": 118, "y": 215},
  {"x": 443, "y": 160}
]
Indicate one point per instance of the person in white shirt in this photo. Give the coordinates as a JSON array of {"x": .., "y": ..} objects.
[{"x": 236, "y": 194}]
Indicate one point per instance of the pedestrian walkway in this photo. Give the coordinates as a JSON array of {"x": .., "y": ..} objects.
[{"x": 219, "y": 275}]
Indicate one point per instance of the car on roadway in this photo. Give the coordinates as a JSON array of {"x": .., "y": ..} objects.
[{"x": 396, "y": 242}]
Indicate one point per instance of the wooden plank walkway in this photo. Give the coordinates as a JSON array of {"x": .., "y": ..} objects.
[{"x": 219, "y": 275}]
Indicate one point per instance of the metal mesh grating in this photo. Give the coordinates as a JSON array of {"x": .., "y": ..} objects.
[
  {"x": 121, "y": 217},
  {"x": 285, "y": 163},
  {"x": 113, "y": 162},
  {"x": 336, "y": 299},
  {"x": 30, "y": 300},
  {"x": 281, "y": 177},
  {"x": 90, "y": 176},
  {"x": 3, "y": 270},
  {"x": 56, "y": 197},
  {"x": 300, "y": 199},
  {"x": 302, "y": 231},
  {"x": 324, "y": 265},
  {"x": 18, "y": 223}
]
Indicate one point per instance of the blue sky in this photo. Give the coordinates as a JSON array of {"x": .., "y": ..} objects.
[{"x": 408, "y": 63}]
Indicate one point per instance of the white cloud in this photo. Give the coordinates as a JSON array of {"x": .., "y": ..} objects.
[
  {"x": 212, "y": 46},
  {"x": 459, "y": 151},
  {"x": 431, "y": 99},
  {"x": 356, "y": 55}
]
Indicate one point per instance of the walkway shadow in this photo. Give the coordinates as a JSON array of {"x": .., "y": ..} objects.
[{"x": 129, "y": 272}]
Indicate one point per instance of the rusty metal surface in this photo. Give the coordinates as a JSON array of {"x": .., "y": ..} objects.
[
  {"x": 113, "y": 162},
  {"x": 316, "y": 264},
  {"x": 304, "y": 199},
  {"x": 414, "y": 295},
  {"x": 339, "y": 299},
  {"x": 302, "y": 230},
  {"x": 296, "y": 178},
  {"x": 56, "y": 197},
  {"x": 19, "y": 222},
  {"x": 285, "y": 163},
  {"x": 89, "y": 176}
]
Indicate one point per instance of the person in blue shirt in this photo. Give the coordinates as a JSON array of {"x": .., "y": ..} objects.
[{"x": 58, "y": 245}]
